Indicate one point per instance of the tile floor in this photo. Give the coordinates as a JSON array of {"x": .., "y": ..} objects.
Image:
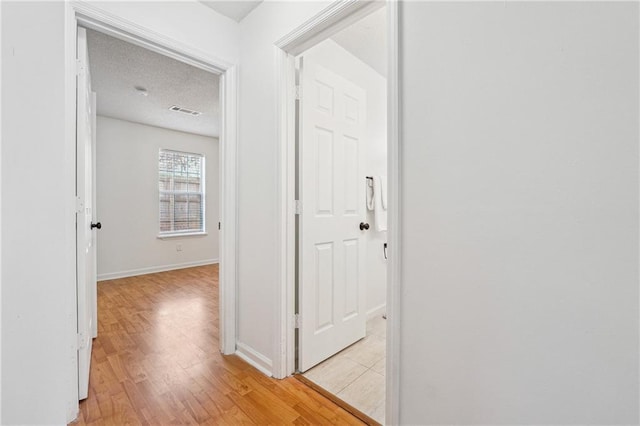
[{"x": 356, "y": 374}]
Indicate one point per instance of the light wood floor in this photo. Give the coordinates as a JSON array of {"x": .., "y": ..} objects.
[{"x": 156, "y": 361}]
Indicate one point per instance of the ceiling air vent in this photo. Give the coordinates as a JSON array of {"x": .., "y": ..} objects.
[{"x": 187, "y": 111}]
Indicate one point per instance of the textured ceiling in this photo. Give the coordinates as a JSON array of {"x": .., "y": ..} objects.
[
  {"x": 117, "y": 67},
  {"x": 367, "y": 40},
  {"x": 235, "y": 10}
]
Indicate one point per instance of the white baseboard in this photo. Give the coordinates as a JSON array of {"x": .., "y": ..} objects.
[
  {"x": 254, "y": 358},
  {"x": 154, "y": 269},
  {"x": 377, "y": 311}
]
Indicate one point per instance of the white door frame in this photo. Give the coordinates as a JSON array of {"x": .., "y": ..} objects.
[
  {"x": 91, "y": 16},
  {"x": 337, "y": 16}
]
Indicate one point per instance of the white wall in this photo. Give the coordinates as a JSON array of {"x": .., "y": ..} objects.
[
  {"x": 258, "y": 153},
  {"x": 38, "y": 274},
  {"x": 0, "y": 215},
  {"x": 519, "y": 176},
  {"x": 334, "y": 57},
  {"x": 127, "y": 200},
  {"x": 187, "y": 21}
]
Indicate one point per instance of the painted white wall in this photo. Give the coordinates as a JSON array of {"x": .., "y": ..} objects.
[
  {"x": 127, "y": 200},
  {"x": 334, "y": 57},
  {"x": 38, "y": 281},
  {"x": 519, "y": 301},
  {"x": 38, "y": 273},
  {"x": 187, "y": 21},
  {"x": 258, "y": 190},
  {"x": 0, "y": 215}
]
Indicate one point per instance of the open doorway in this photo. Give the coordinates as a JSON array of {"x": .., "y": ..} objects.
[
  {"x": 186, "y": 209},
  {"x": 341, "y": 158},
  {"x": 148, "y": 167},
  {"x": 157, "y": 160}
]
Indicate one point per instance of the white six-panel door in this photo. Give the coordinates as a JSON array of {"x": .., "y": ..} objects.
[
  {"x": 86, "y": 274},
  {"x": 332, "y": 194}
]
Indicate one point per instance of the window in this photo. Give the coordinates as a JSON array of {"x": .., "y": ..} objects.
[{"x": 181, "y": 184}]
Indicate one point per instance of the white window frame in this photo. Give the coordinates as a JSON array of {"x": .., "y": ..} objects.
[{"x": 202, "y": 192}]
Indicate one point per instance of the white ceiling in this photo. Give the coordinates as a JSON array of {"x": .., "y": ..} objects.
[
  {"x": 117, "y": 67},
  {"x": 235, "y": 10},
  {"x": 367, "y": 40}
]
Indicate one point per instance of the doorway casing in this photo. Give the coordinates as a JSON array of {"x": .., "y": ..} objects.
[
  {"x": 337, "y": 16},
  {"x": 89, "y": 16}
]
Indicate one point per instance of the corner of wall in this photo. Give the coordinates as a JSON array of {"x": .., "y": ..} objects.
[{"x": 254, "y": 358}]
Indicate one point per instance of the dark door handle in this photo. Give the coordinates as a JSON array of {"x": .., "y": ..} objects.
[
  {"x": 96, "y": 225},
  {"x": 364, "y": 226}
]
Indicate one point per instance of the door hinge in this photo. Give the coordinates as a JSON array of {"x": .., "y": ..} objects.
[
  {"x": 79, "y": 67},
  {"x": 297, "y": 207},
  {"x": 79, "y": 205},
  {"x": 298, "y": 94},
  {"x": 296, "y": 321},
  {"x": 81, "y": 341}
]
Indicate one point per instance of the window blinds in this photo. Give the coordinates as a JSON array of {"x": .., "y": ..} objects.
[{"x": 181, "y": 187}]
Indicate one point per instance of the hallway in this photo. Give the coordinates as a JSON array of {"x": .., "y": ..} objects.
[{"x": 156, "y": 361}]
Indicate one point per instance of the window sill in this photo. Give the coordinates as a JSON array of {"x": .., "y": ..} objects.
[{"x": 180, "y": 235}]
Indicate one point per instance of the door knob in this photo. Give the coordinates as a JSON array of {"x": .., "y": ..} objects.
[
  {"x": 96, "y": 225},
  {"x": 364, "y": 226}
]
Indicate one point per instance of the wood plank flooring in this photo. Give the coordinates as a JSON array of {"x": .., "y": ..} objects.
[{"x": 156, "y": 362}]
